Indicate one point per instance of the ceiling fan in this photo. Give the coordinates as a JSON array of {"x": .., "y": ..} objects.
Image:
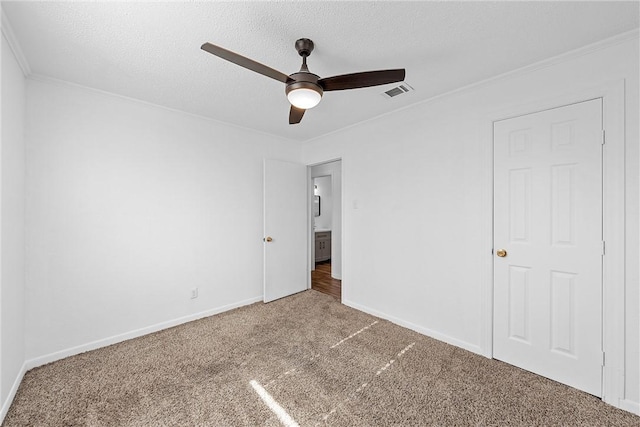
[{"x": 304, "y": 89}]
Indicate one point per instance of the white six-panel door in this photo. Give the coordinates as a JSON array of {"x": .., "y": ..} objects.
[{"x": 548, "y": 220}]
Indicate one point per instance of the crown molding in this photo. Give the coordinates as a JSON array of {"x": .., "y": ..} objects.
[
  {"x": 10, "y": 37},
  {"x": 65, "y": 83},
  {"x": 558, "y": 59}
]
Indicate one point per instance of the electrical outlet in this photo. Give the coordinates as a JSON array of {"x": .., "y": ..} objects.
[{"x": 194, "y": 293}]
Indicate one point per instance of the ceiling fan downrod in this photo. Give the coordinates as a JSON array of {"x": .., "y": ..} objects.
[{"x": 304, "y": 92}]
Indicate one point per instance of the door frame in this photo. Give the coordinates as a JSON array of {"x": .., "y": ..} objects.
[
  {"x": 613, "y": 199},
  {"x": 311, "y": 245}
]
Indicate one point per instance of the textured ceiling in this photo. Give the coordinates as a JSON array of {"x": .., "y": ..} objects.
[{"x": 151, "y": 51}]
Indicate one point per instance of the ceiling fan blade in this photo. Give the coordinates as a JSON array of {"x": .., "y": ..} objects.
[
  {"x": 364, "y": 79},
  {"x": 295, "y": 115},
  {"x": 244, "y": 62}
]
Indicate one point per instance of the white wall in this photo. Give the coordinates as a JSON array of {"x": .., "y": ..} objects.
[
  {"x": 333, "y": 169},
  {"x": 417, "y": 200},
  {"x": 12, "y": 244},
  {"x": 129, "y": 207},
  {"x": 323, "y": 183}
]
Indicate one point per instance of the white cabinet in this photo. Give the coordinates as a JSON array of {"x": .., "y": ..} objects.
[{"x": 323, "y": 245}]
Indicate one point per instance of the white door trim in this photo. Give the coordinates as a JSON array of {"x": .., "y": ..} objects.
[
  {"x": 613, "y": 280},
  {"x": 311, "y": 250}
]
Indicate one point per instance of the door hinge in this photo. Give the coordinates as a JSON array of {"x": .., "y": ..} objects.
[
  {"x": 603, "y": 359},
  {"x": 603, "y": 248},
  {"x": 603, "y": 137}
]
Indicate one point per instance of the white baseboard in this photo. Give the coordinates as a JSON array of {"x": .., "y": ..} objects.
[
  {"x": 630, "y": 406},
  {"x": 626, "y": 405},
  {"x": 52, "y": 357},
  {"x": 424, "y": 331},
  {"x": 12, "y": 393}
]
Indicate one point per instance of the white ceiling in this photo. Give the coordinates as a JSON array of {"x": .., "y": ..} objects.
[{"x": 151, "y": 51}]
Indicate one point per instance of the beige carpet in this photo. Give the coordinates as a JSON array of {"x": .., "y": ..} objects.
[{"x": 322, "y": 362}]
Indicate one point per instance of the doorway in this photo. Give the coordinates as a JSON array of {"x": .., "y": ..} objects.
[
  {"x": 326, "y": 228},
  {"x": 548, "y": 237}
]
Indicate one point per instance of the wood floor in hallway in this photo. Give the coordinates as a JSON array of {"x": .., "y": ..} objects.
[{"x": 322, "y": 281}]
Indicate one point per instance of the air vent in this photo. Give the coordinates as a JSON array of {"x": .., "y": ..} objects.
[{"x": 398, "y": 90}]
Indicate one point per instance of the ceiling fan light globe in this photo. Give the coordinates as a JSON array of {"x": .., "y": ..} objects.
[{"x": 304, "y": 98}]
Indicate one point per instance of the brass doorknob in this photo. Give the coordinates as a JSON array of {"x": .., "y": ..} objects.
[
  {"x": 268, "y": 239},
  {"x": 501, "y": 253}
]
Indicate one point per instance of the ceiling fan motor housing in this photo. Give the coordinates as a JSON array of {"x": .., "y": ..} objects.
[{"x": 303, "y": 80}]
